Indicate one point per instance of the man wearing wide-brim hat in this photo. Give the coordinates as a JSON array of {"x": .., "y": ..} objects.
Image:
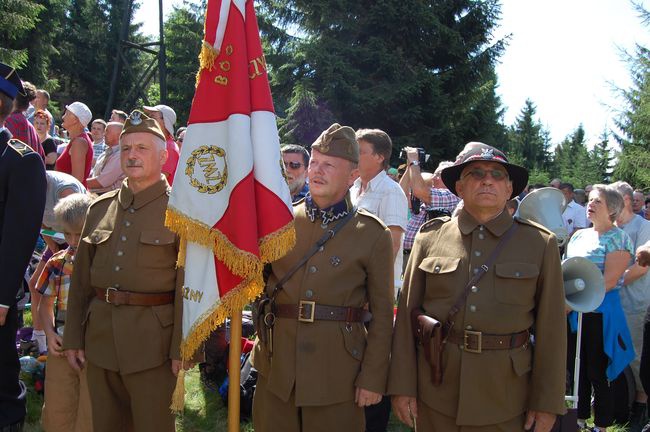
[
  {"x": 22, "y": 188},
  {"x": 124, "y": 311},
  {"x": 493, "y": 377},
  {"x": 317, "y": 366}
]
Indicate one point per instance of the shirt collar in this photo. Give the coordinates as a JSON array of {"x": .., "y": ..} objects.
[
  {"x": 496, "y": 226},
  {"x": 127, "y": 198},
  {"x": 328, "y": 214}
]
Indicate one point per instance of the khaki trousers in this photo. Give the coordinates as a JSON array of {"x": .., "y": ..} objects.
[
  {"x": 271, "y": 414},
  {"x": 430, "y": 420},
  {"x": 136, "y": 402},
  {"x": 66, "y": 406}
]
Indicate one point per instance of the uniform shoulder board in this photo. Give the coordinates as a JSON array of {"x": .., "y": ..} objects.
[
  {"x": 20, "y": 147},
  {"x": 105, "y": 196},
  {"x": 434, "y": 222},
  {"x": 364, "y": 212},
  {"x": 533, "y": 224}
]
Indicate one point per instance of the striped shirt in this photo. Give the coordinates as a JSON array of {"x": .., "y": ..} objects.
[
  {"x": 55, "y": 279},
  {"x": 440, "y": 199}
]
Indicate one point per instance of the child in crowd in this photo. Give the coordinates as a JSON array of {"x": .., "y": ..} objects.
[{"x": 67, "y": 402}]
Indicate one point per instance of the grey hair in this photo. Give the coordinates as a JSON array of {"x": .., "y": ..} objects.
[
  {"x": 624, "y": 189},
  {"x": 613, "y": 199},
  {"x": 160, "y": 143},
  {"x": 70, "y": 211}
]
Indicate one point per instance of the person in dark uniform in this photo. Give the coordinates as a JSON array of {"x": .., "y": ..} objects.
[{"x": 22, "y": 200}]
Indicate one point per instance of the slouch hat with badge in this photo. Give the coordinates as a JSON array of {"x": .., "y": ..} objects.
[{"x": 338, "y": 141}]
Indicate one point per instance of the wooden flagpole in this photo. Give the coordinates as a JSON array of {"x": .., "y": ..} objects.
[{"x": 234, "y": 371}]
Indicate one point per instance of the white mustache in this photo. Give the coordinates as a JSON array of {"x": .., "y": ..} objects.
[{"x": 131, "y": 163}]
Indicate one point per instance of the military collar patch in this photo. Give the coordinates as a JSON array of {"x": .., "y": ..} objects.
[{"x": 326, "y": 215}]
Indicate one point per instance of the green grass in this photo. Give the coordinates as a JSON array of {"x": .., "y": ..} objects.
[{"x": 204, "y": 410}]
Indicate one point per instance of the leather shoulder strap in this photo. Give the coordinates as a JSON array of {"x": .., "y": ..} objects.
[
  {"x": 329, "y": 234},
  {"x": 474, "y": 280}
]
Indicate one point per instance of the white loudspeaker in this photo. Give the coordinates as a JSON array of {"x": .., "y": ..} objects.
[
  {"x": 545, "y": 206},
  {"x": 584, "y": 284}
]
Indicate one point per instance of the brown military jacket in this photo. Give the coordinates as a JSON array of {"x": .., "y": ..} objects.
[
  {"x": 523, "y": 290},
  {"x": 324, "y": 361},
  {"x": 125, "y": 245}
]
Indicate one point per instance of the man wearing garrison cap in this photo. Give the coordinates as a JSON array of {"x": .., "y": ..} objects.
[
  {"x": 491, "y": 280},
  {"x": 124, "y": 311},
  {"x": 22, "y": 188},
  {"x": 317, "y": 365}
]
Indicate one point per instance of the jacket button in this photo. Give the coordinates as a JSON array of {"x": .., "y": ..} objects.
[
  {"x": 131, "y": 210},
  {"x": 477, "y": 253},
  {"x": 517, "y": 274},
  {"x": 123, "y": 238},
  {"x": 120, "y": 253},
  {"x": 156, "y": 241},
  {"x": 469, "y": 327},
  {"x": 127, "y": 223},
  {"x": 481, "y": 236},
  {"x": 474, "y": 289},
  {"x": 436, "y": 269},
  {"x": 475, "y": 270},
  {"x": 309, "y": 293},
  {"x": 472, "y": 308},
  {"x": 355, "y": 352},
  {"x": 313, "y": 269},
  {"x": 117, "y": 268},
  {"x": 321, "y": 249}
]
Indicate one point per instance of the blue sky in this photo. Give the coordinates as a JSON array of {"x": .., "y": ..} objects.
[{"x": 565, "y": 55}]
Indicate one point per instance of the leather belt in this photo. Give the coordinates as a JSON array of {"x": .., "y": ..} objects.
[
  {"x": 309, "y": 311},
  {"x": 476, "y": 341},
  {"x": 117, "y": 298}
]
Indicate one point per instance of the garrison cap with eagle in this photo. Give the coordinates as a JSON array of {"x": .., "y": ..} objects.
[
  {"x": 140, "y": 122},
  {"x": 339, "y": 141},
  {"x": 475, "y": 152},
  {"x": 10, "y": 83}
]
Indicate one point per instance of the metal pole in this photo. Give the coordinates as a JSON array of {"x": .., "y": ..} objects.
[
  {"x": 117, "y": 66},
  {"x": 234, "y": 371},
  {"x": 162, "y": 58},
  {"x": 576, "y": 365}
]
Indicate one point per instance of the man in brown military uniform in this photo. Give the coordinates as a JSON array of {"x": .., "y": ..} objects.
[
  {"x": 124, "y": 313},
  {"x": 318, "y": 367},
  {"x": 493, "y": 378}
]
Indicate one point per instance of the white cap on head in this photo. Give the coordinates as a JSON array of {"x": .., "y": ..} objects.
[
  {"x": 168, "y": 114},
  {"x": 82, "y": 112}
]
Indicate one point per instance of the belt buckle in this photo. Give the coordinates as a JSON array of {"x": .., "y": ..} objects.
[
  {"x": 108, "y": 291},
  {"x": 301, "y": 308},
  {"x": 479, "y": 341}
]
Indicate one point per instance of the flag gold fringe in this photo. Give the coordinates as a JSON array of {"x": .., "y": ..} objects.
[
  {"x": 178, "y": 397},
  {"x": 276, "y": 244},
  {"x": 207, "y": 57},
  {"x": 241, "y": 263},
  {"x": 234, "y": 301}
]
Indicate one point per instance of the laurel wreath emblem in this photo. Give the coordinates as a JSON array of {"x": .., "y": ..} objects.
[{"x": 191, "y": 162}]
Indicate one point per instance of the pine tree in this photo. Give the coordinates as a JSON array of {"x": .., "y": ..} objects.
[
  {"x": 17, "y": 19},
  {"x": 422, "y": 71},
  {"x": 527, "y": 141}
]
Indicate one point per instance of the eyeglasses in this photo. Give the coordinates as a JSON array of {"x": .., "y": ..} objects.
[
  {"x": 295, "y": 165},
  {"x": 480, "y": 174}
]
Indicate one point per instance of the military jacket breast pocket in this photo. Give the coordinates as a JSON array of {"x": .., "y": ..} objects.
[
  {"x": 516, "y": 283},
  {"x": 156, "y": 249},
  {"x": 98, "y": 240},
  {"x": 441, "y": 274}
]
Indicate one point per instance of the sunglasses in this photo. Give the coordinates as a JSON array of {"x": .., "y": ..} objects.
[
  {"x": 480, "y": 174},
  {"x": 295, "y": 165}
]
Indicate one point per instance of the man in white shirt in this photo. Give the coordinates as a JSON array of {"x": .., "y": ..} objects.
[
  {"x": 107, "y": 173},
  {"x": 376, "y": 192},
  {"x": 574, "y": 215}
]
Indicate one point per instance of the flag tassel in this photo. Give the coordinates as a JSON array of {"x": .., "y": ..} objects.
[{"x": 178, "y": 397}]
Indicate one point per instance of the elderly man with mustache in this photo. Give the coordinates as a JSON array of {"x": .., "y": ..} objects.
[{"x": 124, "y": 312}]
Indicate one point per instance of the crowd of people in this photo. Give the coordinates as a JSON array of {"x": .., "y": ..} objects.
[{"x": 478, "y": 340}]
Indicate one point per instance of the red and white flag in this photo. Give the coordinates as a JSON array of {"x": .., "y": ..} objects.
[{"x": 230, "y": 202}]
